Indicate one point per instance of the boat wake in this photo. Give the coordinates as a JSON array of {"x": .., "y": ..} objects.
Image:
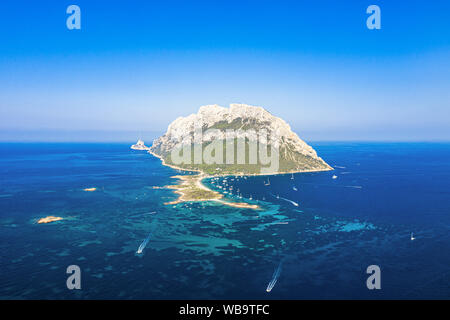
[
  {"x": 290, "y": 201},
  {"x": 275, "y": 277},
  {"x": 143, "y": 245}
]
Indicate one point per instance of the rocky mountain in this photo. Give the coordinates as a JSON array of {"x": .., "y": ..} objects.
[{"x": 244, "y": 126}]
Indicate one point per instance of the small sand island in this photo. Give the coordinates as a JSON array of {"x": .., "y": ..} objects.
[
  {"x": 49, "y": 219},
  {"x": 192, "y": 189}
]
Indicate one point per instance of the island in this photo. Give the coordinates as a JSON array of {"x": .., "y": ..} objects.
[
  {"x": 140, "y": 145},
  {"x": 242, "y": 140}
]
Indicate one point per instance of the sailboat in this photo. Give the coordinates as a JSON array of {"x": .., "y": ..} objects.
[
  {"x": 267, "y": 183},
  {"x": 412, "y": 237},
  {"x": 292, "y": 177}
]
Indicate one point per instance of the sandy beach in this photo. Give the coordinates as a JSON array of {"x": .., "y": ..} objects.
[
  {"x": 49, "y": 219},
  {"x": 192, "y": 189}
]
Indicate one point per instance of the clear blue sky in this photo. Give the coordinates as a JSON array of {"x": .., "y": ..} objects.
[{"x": 137, "y": 65}]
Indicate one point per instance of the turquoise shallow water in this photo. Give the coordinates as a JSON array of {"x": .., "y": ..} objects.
[{"x": 206, "y": 250}]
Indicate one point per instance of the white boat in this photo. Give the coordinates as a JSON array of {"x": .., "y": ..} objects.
[
  {"x": 334, "y": 176},
  {"x": 267, "y": 183},
  {"x": 292, "y": 177},
  {"x": 294, "y": 188},
  {"x": 412, "y": 237}
]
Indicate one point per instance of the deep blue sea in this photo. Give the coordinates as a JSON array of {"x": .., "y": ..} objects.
[{"x": 383, "y": 192}]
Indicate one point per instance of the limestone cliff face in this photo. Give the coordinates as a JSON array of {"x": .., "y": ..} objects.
[{"x": 295, "y": 154}]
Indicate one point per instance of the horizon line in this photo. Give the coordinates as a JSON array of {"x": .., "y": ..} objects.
[{"x": 308, "y": 141}]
